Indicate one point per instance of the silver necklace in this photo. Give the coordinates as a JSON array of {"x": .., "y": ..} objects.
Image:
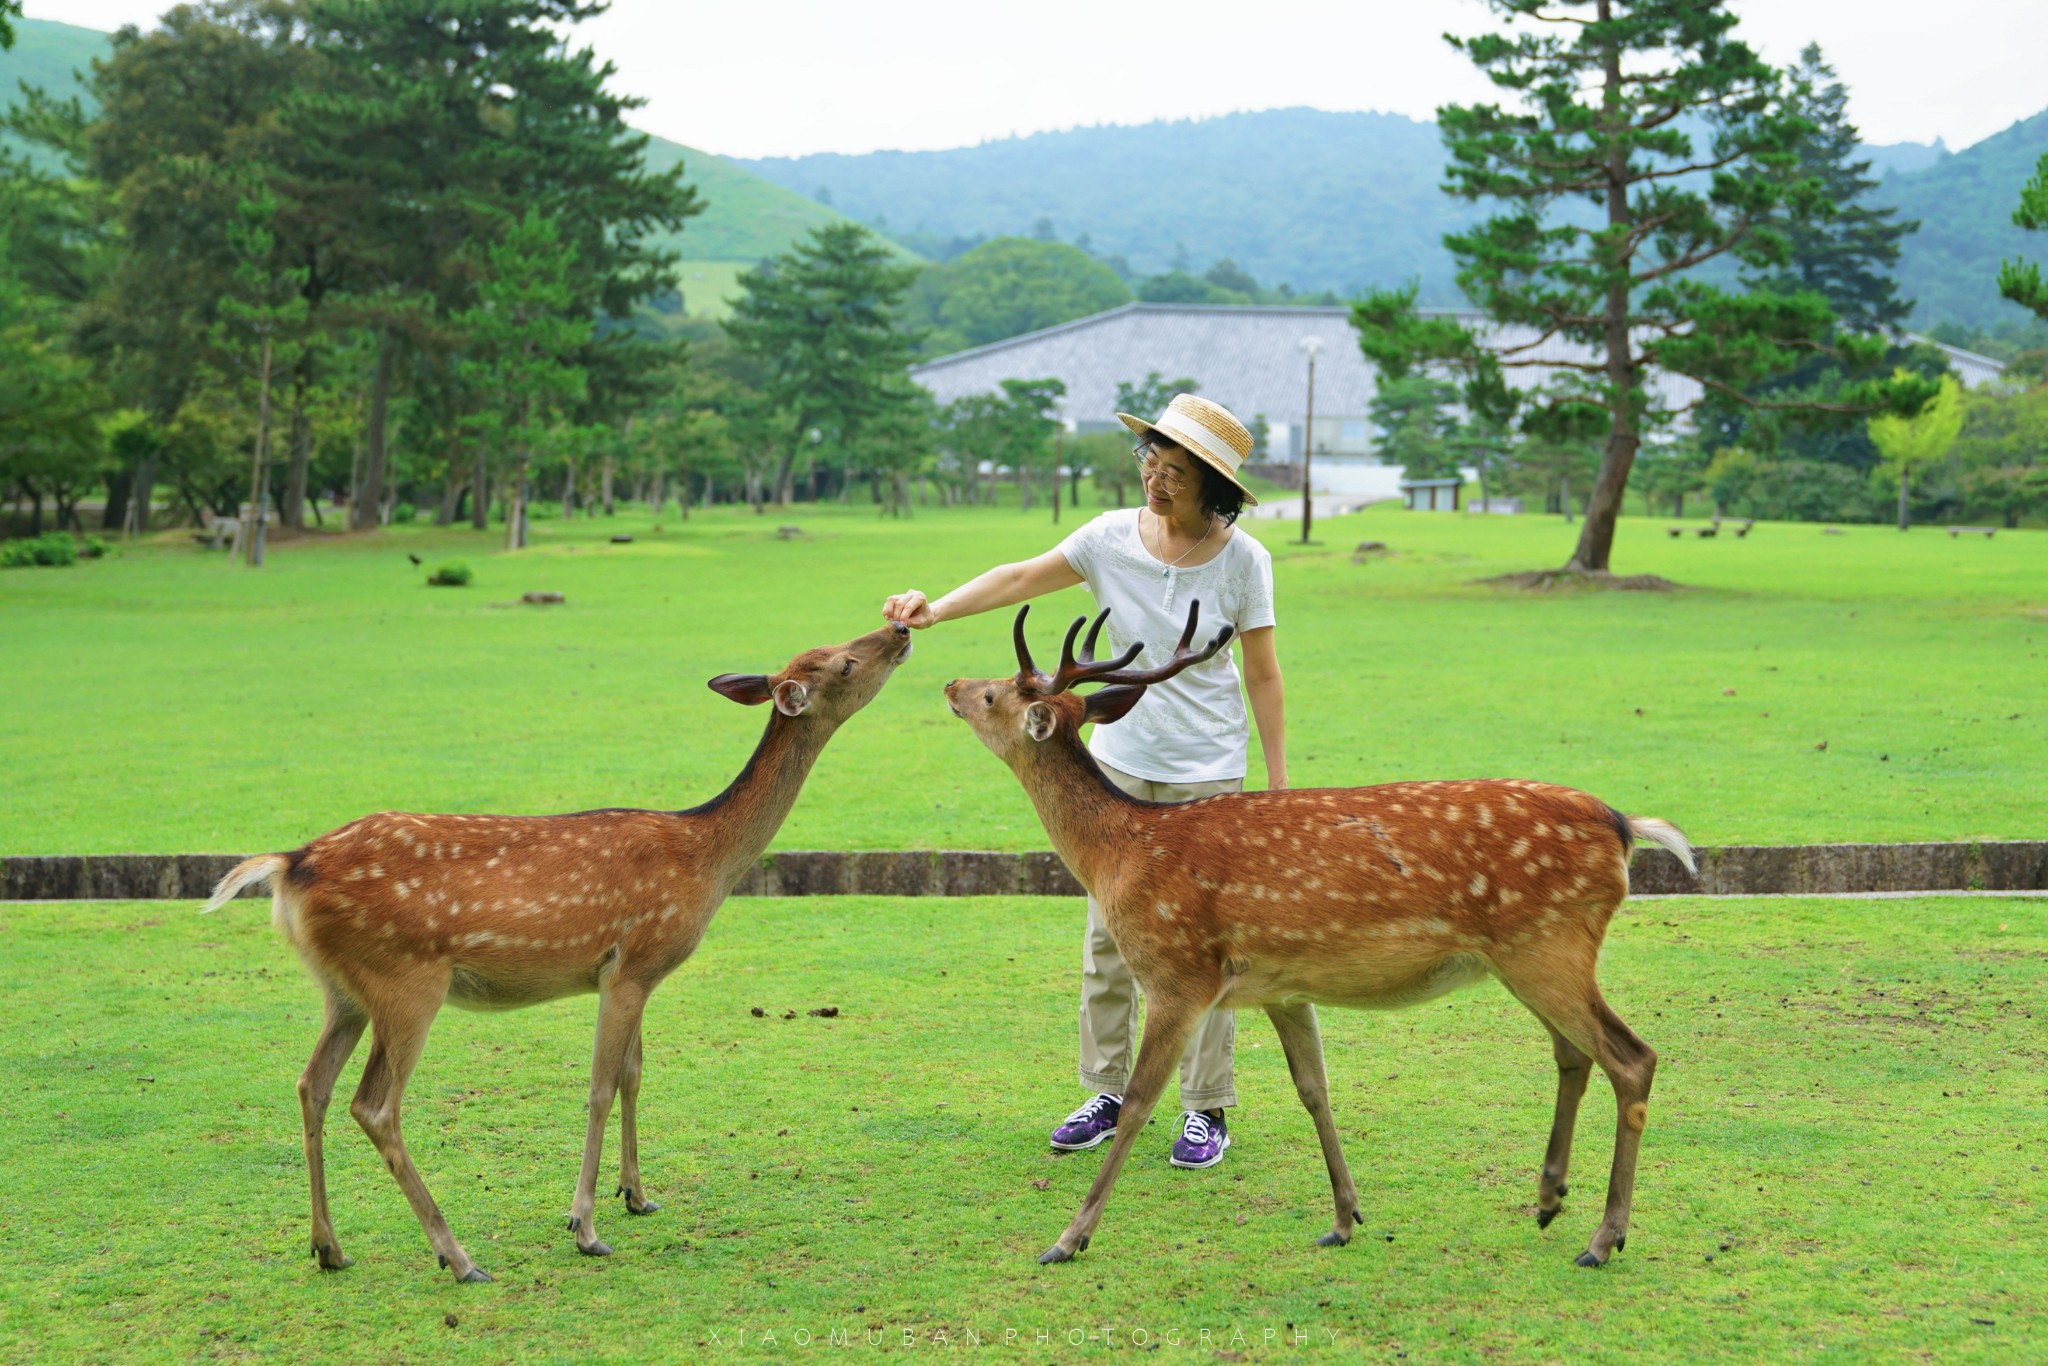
[{"x": 1167, "y": 572}]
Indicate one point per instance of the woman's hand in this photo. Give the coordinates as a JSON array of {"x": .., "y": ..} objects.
[{"x": 910, "y": 608}]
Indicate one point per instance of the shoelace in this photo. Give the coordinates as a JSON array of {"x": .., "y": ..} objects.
[
  {"x": 1093, "y": 1108},
  {"x": 1194, "y": 1127}
]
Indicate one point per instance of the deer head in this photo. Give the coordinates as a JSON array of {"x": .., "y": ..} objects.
[
  {"x": 828, "y": 684},
  {"x": 1013, "y": 716}
]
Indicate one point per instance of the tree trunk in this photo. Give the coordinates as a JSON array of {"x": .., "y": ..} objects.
[
  {"x": 656, "y": 496},
  {"x": 1904, "y": 522},
  {"x": 569, "y": 492},
  {"x": 480, "y": 489},
  {"x": 293, "y": 513},
  {"x": 365, "y": 502},
  {"x": 116, "y": 513},
  {"x": 141, "y": 493},
  {"x": 610, "y": 509},
  {"x": 252, "y": 537},
  {"x": 515, "y": 510},
  {"x": 1596, "y": 536}
]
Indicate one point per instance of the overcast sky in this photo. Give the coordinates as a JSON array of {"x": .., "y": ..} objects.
[{"x": 786, "y": 77}]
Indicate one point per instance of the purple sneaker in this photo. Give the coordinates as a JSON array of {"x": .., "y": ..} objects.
[
  {"x": 1201, "y": 1142},
  {"x": 1089, "y": 1125}
]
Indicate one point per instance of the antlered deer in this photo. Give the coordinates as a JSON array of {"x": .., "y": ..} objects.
[
  {"x": 396, "y": 913},
  {"x": 1367, "y": 896}
]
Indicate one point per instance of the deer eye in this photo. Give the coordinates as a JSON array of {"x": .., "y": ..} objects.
[
  {"x": 846, "y": 669},
  {"x": 988, "y": 699}
]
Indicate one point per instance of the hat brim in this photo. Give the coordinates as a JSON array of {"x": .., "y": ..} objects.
[{"x": 1140, "y": 427}]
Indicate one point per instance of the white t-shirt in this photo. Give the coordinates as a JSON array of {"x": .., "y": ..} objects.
[{"x": 1192, "y": 727}]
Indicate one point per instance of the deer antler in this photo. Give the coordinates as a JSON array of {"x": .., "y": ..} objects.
[{"x": 1088, "y": 669}]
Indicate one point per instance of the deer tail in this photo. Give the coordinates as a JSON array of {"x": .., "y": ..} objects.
[
  {"x": 262, "y": 868},
  {"x": 1665, "y": 835}
]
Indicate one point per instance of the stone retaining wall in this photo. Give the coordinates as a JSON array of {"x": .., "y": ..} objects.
[{"x": 1730, "y": 870}]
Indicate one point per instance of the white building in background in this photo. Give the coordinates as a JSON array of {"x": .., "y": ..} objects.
[{"x": 1250, "y": 358}]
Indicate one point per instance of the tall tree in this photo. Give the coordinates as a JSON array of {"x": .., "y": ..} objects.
[
  {"x": 1846, "y": 249},
  {"x": 2020, "y": 281},
  {"x": 447, "y": 120},
  {"x": 522, "y": 338},
  {"x": 1606, "y": 94},
  {"x": 1007, "y": 287},
  {"x": 8, "y": 9},
  {"x": 822, "y": 321},
  {"x": 1148, "y": 397},
  {"x": 1921, "y": 439}
]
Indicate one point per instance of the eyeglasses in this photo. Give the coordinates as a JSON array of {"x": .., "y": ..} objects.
[{"x": 1147, "y": 456}]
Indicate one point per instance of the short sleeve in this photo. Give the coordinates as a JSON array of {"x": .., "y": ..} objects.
[
  {"x": 1082, "y": 548},
  {"x": 1255, "y": 593}
]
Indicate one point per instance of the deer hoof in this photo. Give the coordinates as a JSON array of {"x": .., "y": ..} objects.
[
  {"x": 639, "y": 1205},
  {"x": 476, "y": 1275},
  {"x": 1333, "y": 1239},
  {"x": 1621, "y": 1242},
  {"x": 595, "y": 1250},
  {"x": 575, "y": 1224},
  {"x": 1587, "y": 1258},
  {"x": 331, "y": 1258},
  {"x": 1053, "y": 1254},
  {"x": 1544, "y": 1216}
]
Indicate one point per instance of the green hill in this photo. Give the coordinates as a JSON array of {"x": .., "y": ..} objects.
[
  {"x": 1335, "y": 201},
  {"x": 1965, "y": 203},
  {"x": 747, "y": 217}
]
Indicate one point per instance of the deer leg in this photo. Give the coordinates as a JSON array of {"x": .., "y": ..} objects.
[
  {"x": 399, "y": 1033},
  {"x": 1168, "y": 1023},
  {"x": 1574, "y": 1068},
  {"x": 629, "y": 1133},
  {"x": 345, "y": 1023},
  {"x": 1573, "y": 1008},
  {"x": 618, "y": 1022},
  {"x": 1630, "y": 1065},
  {"x": 1303, "y": 1044}
]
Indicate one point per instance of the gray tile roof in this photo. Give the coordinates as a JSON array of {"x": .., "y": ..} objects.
[{"x": 1246, "y": 357}]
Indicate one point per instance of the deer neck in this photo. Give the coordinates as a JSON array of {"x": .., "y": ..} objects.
[
  {"x": 753, "y": 806},
  {"x": 1085, "y": 814}
]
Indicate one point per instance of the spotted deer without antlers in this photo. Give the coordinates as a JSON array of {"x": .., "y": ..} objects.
[
  {"x": 395, "y": 914},
  {"x": 1372, "y": 897}
]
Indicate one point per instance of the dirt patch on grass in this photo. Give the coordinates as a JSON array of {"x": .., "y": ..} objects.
[{"x": 1579, "y": 581}]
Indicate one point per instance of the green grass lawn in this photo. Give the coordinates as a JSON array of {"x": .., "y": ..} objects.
[
  {"x": 165, "y": 700},
  {"x": 1843, "y": 1159}
]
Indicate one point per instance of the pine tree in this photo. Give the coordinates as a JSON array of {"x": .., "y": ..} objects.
[
  {"x": 821, "y": 320},
  {"x": 522, "y": 339},
  {"x": 2020, "y": 281},
  {"x": 1845, "y": 250},
  {"x": 1416, "y": 426},
  {"x": 1607, "y": 93}
]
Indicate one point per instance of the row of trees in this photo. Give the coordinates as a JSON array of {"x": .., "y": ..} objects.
[{"x": 329, "y": 229}]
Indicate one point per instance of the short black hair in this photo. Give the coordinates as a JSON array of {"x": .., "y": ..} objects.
[{"x": 1220, "y": 497}]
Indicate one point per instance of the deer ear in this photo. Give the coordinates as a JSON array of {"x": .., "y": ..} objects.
[
  {"x": 1111, "y": 704},
  {"x": 791, "y": 697},
  {"x": 1040, "y": 721},
  {"x": 748, "y": 689}
]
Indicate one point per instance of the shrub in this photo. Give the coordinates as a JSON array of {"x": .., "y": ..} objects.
[
  {"x": 452, "y": 574},
  {"x": 93, "y": 548},
  {"x": 51, "y": 548}
]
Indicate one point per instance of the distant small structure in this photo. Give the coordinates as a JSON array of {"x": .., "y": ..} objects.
[{"x": 1431, "y": 495}]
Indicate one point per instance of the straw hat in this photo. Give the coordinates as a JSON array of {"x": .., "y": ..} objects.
[{"x": 1205, "y": 430}]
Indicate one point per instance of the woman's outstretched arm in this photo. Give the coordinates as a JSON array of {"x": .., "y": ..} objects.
[
  {"x": 1003, "y": 586},
  {"x": 1262, "y": 686}
]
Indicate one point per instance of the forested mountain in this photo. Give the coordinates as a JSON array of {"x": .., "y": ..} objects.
[
  {"x": 747, "y": 218},
  {"x": 1965, "y": 204},
  {"x": 1335, "y": 201}
]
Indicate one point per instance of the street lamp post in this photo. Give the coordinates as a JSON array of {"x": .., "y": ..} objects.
[{"x": 1309, "y": 347}]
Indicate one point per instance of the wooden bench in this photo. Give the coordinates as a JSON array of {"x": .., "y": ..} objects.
[{"x": 1987, "y": 532}]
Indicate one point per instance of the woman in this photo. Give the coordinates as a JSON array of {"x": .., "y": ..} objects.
[{"x": 1187, "y": 738}]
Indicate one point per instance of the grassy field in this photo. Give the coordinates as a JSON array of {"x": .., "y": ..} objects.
[
  {"x": 165, "y": 700},
  {"x": 1843, "y": 1160}
]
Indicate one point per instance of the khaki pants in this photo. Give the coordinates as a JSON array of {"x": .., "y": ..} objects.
[{"x": 1109, "y": 994}]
